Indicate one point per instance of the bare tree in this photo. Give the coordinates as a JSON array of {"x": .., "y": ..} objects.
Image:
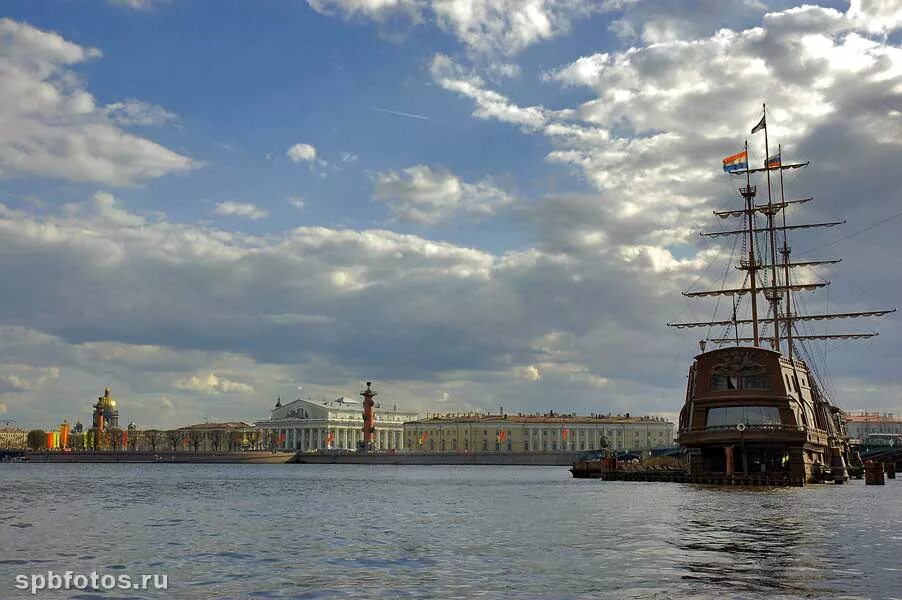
[
  {"x": 153, "y": 437},
  {"x": 254, "y": 438},
  {"x": 196, "y": 438},
  {"x": 236, "y": 439},
  {"x": 133, "y": 437},
  {"x": 173, "y": 436},
  {"x": 217, "y": 437}
]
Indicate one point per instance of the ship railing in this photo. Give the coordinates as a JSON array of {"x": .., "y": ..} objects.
[{"x": 749, "y": 427}]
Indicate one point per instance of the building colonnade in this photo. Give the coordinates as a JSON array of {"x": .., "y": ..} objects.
[{"x": 309, "y": 437}]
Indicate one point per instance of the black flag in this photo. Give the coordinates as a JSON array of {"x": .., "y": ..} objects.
[{"x": 761, "y": 124}]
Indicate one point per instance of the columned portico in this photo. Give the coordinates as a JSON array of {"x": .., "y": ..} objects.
[{"x": 305, "y": 426}]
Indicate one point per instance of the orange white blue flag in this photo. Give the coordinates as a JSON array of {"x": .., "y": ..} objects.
[{"x": 737, "y": 162}]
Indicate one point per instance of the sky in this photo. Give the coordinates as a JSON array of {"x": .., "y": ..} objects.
[{"x": 475, "y": 204}]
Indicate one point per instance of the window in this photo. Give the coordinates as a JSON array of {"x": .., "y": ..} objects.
[
  {"x": 748, "y": 381},
  {"x": 485, "y": 445},
  {"x": 526, "y": 446},
  {"x": 509, "y": 446},
  {"x": 748, "y": 415}
]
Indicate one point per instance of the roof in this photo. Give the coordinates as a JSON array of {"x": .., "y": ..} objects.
[
  {"x": 538, "y": 418},
  {"x": 226, "y": 425},
  {"x": 873, "y": 418}
]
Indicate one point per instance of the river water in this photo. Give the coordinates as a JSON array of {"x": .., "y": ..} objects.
[{"x": 353, "y": 531}]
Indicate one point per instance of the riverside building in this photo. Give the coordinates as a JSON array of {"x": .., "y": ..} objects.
[
  {"x": 550, "y": 432},
  {"x": 13, "y": 438},
  {"x": 333, "y": 424},
  {"x": 860, "y": 426}
]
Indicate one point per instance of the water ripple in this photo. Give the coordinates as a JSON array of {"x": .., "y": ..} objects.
[{"x": 292, "y": 531}]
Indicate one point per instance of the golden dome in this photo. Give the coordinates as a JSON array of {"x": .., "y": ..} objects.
[{"x": 106, "y": 399}]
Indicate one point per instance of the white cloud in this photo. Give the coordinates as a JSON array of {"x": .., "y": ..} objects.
[
  {"x": 211, "y": 384},
  {"x": 51, "y": 126},
  {"x": 483, "y": 26},
  {"x": 107, "y": 206},
  {"x": 240, "y": 209},
  {"x": 137, "y": 4},
  {"x": 421, "y": 194},
  {"x": 876, "y": 16},
  {"x": 665, "y": 112},
  {"x": 348, "y": 157},
  {"x": 489, "y": 104},
  {"x": 173, "y": 303},
  {"x": 301, "y": 153},
  {"x": 25, "y": 377},
  {"x": 508, "y": 26},
  {"x": 297, "y": 202},
  {"x": 378, "y": 10},
  {"x": 135, "y": 112}
]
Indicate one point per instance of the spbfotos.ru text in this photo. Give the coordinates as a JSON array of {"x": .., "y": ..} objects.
[{"x": 68, "y": 580}]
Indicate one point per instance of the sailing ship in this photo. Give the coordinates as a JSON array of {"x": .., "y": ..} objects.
[{"x": 757, "y": 409}]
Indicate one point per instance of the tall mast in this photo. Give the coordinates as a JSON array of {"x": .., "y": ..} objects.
[
  {"x": 739, "y": 165},
  {"x": 774, "y": 298},
  {"x": 785, "y": 252},
  {"x": 748, "y": 192}
]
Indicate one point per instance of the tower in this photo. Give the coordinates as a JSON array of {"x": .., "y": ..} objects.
[
  {"x": 368, "y": 417},
  {"x": 106, "y": 417}
]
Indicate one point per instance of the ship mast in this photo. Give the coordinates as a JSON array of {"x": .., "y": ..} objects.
[
  {"x": 749, "y": 194},
  {"x": 774, "y": 292},
  {"x": 785, "y": 252},
  {"x": 774, "y": 296}
]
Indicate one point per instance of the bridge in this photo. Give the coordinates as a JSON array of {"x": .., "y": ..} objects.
[{"x": 881, "y": 453}]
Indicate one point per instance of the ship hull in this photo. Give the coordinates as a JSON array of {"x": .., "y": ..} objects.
[{"x": 752, "y": 414}]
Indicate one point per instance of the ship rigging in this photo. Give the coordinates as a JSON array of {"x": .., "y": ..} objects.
[
  {"x": 770, "y": 276},
  {"x": 754, "y": 413}
]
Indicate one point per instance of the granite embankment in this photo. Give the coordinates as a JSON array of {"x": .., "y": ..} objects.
[{"x": 261, "y": 457}]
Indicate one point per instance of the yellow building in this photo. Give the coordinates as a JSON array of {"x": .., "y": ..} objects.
[
  {"x": 551, "y": 432},
  {"x": 12, "y": 438}
]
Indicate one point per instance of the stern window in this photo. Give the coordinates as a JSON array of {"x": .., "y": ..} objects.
[
  {"x": 739, "y": 382},
  {"x": 728, "y": 416}
]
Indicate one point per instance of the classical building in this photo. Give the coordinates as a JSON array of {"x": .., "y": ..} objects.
[
  {"x": 13, "y": 438},
  {"x": 859, "y": 426},
  {"x": 338, "y": 424},
  {"x": 551, "y": 432},
  {"x": 220, "y": 437}
]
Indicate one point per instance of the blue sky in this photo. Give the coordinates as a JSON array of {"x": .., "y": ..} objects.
[
  {"x": 205, "y": 205},
  {"x": 247, "y": 82}
]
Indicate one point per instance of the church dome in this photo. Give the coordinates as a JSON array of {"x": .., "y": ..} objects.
[{"x": 106, "y": 399}]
